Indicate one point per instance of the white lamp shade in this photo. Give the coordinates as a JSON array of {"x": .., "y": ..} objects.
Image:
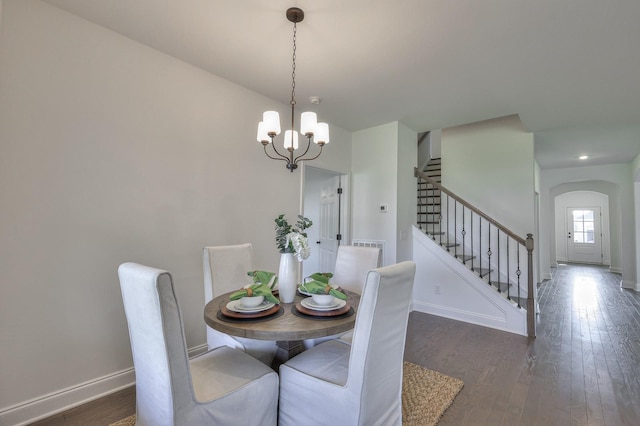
[
  {"x": 322, "y": 133},
  {"x": 287, "y": 139},
  {"x": 308, "y": 123},
  {"x": 271, "y": 121},
  {"x": 263, "y": 136}
]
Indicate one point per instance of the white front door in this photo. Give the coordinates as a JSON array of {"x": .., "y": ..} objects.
[
  {"x": 584, "y": 235},
  {"x": 329, "y": 229}
]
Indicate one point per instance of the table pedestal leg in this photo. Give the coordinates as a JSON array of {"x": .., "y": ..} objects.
[{"x": 286, "y": 349}]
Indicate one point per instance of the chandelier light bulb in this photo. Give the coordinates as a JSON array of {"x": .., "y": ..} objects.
[
  {"x": 308, "y": 123},
  {"x": 288, "y": 142},
  {"x": 271, "y": 121},
  {"x": 263, "y": 135},
  {"x": 321, "y": 135}
]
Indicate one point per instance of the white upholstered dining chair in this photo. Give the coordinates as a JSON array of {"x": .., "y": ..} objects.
[
  {"x": 335, "y": 383},
  {"x": 352, "y": 265},
  {"x": 213, "y": 388},
  {"x": 225, "y": 269},
  {"x": 350, "y": 272}
]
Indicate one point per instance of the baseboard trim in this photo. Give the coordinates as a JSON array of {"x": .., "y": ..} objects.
[
  {"x": 615, "y": 270},
  {"x": 498, "y": 323},
  {"x": 64, "y": 399},
  {"x": 630, "y": 285}
]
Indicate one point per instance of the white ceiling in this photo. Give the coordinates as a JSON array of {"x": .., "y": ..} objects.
[{"x": 569, "y": 68}]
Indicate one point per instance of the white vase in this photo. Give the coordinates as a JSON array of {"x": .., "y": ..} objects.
[{"x": 287, "y": 277}]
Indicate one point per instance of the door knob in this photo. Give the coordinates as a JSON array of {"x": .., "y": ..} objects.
[{"x": 317, "y": 242}]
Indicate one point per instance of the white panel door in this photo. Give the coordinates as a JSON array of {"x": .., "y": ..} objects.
[
  {"x": 327, "y": 243},
  {"x": 584, "y": 235}
]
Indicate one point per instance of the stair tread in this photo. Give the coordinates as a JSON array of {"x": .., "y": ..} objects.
[
  {"x": 522, "y": 301},
  {"x": 465, "y": 257},
  {"x": 449, "y": 245},
  {"x": 500, "y": 285},
  {"x": 482, "y": 271}
]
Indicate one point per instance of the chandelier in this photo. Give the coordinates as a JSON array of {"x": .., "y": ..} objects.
[{"x": 269, "y": 127}]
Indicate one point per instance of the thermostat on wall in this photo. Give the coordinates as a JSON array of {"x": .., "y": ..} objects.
[{"x": 384, "y": 208}]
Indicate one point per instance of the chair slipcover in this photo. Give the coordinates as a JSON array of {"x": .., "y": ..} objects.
[
  {"x": 225, "y": 270},
  {"x": 352, "y": 265},
  {"x": 223, "y": 386},
  {"x": 359, "y": 384}
]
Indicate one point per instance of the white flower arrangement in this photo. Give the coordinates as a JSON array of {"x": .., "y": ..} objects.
[
  {"x": 300, "y": 245},
  {"x": 292, "y": 238}
]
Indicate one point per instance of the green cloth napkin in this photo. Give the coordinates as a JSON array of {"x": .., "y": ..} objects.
[
  {"x": 256, "y": 290},
  {"x": 318, "y": 283},
  {"x": 264, "y": 277},
  {"x": 322, "y": 277}
]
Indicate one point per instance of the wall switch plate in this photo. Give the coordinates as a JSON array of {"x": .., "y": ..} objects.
[{"x": 436, "y": 289}]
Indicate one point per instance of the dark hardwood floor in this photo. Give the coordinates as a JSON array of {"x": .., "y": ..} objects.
[{"x": 582, "y": 369}]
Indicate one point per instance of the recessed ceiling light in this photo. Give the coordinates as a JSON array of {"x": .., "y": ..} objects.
[{"x": 583, "y": 157}]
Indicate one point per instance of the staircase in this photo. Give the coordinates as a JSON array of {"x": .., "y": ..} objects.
[
  {"x": 429, "y": 198},
  {"x": 500, "y": 259}
]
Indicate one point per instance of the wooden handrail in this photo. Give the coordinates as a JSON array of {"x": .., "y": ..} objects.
[{"x": 418, "y": 173}]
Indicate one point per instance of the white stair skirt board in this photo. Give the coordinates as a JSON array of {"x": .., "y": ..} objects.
[
  {"x": 64, "y": 399},
  {"x": 445, "y": 287},
  {"x": 483, "y": 261}
]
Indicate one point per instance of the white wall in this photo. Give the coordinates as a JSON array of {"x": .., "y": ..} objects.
[
  {"x": 424, "y": 152},
  {"x": 111, "y": 152},
  {"x": 383, "y": 159},
  {"x": 613, "y": 180},
  {"x": 407, "y": 192},
  {"x": 635, "y": 170},
  {"x": 435, "y": 143},
  {"x": 374, "y": 182},
  {"x": 491, "y": 165},
  {"x": 577, "y": 199},
  {"x": 636, "y": 189}
]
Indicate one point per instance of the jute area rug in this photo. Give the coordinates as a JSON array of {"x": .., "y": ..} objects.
[{"x": 426, "y": 395}]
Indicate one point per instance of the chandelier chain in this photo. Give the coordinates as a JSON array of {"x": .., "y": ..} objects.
[{"x": 293, "y": 67}]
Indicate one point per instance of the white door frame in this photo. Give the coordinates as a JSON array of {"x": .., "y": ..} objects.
[
  {"x": 584, "y": 253},
  {"x": 580, "y": 198}
]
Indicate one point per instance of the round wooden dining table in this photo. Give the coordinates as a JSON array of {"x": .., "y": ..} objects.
[{"x": 287, "y": 328}]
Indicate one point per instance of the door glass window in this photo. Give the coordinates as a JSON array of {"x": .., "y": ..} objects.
[{"x": 583, "y": 226}]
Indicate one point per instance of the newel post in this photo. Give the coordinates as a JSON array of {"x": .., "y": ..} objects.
[{"x": 531, "y": 308}]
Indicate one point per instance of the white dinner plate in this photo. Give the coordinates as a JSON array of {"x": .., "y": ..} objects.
[
  {"x": 236, "y": 306},
  {"x": 310, "y": 304}
]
